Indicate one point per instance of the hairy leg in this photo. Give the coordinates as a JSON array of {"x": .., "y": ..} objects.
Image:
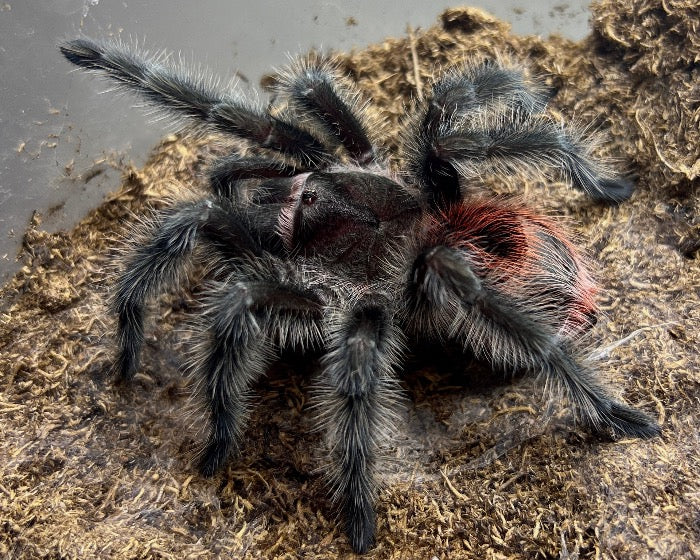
[
  {"x": 244, "y": 323},
  {"x": 226, "y": 173},
  {"x": 508, "y": 144},
  {"x": 472, "y": 88},
  {"x": 489, "y": 119},
  {"x": 317, "y": 94},
  {"x": 155, "y": 263},
  {"x": 595, "y": 407},
  {"x": 181, "y": 94},
  {"x": 460, "y": 93},
  {"x": 443, "y": 286},
  {"x": 357, "y": 396}
]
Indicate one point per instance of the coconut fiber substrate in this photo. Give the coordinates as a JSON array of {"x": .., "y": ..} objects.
[{"x": 480, "y": 467}]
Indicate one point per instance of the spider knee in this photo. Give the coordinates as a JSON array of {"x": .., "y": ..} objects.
[
  {"x": 359, "y": 352},
  {"x": 440, "y": 272}
]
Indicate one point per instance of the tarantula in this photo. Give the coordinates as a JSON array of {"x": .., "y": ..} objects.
[{"x": 313, "y": 242}]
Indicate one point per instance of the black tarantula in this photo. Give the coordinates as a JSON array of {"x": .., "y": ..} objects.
[{"x": 312, "y": 241}]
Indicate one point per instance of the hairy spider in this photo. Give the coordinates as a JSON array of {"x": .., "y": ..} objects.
[{"x": 313, "y": 241}]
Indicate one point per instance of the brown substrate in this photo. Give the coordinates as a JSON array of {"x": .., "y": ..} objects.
[{"x": 91, "y": 471}]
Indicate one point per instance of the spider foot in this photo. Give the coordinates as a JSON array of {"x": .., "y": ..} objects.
[
  {"x": 359, "y": 524},
  {"x": 625, "y": 421},
  {"x": 124, "y": 368},
  {"x": 615, "y": 190},
  {"x": 213, "y": 457}
]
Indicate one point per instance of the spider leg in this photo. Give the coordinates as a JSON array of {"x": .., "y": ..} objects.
[
  {"x": 183, "y": 94},
  {"x": 244, "y": 322},
  {"x": 227, "y": 172},
  {"x": 316, "y": 94},
  {"x": 513, "y": 143},
  {"x": 444, "y": 286},
  {"x": 489, "y": 118},
  {"x": 464, "y": 91},
  {"x": 594, "y": 406},
  {"x": 358, "y": 393},
  {"x": 448, "y": 298},
  {"x": 475, "y": 87},
  {"x": 154, "y": 264}
]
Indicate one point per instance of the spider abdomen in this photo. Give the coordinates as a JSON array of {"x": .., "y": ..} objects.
[{"x": 522, "y": 258}]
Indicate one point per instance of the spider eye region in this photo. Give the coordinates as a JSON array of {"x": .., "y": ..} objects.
[{"x": 309, "y": 196}]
